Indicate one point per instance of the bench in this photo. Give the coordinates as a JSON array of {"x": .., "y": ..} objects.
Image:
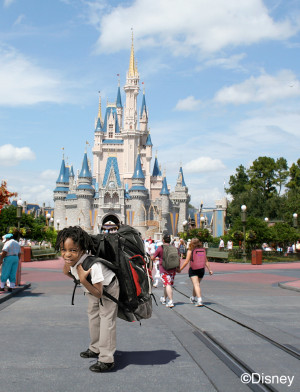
[
  {"x": 214, "y": 254},
  {"x": 43, "y": 254}
]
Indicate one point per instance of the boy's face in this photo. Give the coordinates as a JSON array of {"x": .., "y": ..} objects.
[{"x": 71, "y": 252}]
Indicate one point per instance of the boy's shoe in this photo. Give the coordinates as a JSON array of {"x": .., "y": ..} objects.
[
  {"x": 170, "y": 304},
  {"x": 192, "y": 300},
  {"x": 101, "y": 367},
  {"x": 163, "y": 300},
  {"x": 89, "y": 354},
  {"x": 199, "y": 302}
]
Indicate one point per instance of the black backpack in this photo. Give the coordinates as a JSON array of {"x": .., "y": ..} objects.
[
  {"x": 171, "y": 257},
  {"x": 124, "y": 252}
]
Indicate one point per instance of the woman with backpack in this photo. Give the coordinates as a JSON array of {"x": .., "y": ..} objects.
[{"x": 196, "y": 256}]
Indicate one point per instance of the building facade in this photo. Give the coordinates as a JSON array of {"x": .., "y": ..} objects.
[{"x": 122, "y": 186}]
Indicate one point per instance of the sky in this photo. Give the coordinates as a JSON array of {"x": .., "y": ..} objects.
[{"x": 221, "y": 83}]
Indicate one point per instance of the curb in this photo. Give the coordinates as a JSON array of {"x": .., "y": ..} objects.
[
  {"x": 288, "y": 287},
  {"x": 8, "y": 295}
]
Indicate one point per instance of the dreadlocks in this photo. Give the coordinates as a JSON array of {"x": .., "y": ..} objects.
[{"x": 77, "y": 234}]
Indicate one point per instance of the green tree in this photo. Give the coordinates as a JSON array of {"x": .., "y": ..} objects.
[
  {"x": 294, "y": 183},
  {"x": 281, "y": 173},
  {"x": 239, "y": 182},
  {"x": 262, "y": 176}
]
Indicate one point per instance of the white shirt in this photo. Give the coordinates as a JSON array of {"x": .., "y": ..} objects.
[{"x": 99, "y": 272}]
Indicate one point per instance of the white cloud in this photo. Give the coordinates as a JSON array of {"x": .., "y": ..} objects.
[
  {"x": 189, "y": 104},
  {"x": 7, "y": 3},
  {"x": 12, "y": 156},
  {"x": 186, "y": 28},
  {"x": 24, "y": 83},
  {"x": 264, "y": 88},
  {"x": 203, "y": 164},
  {"x": 49, "y": 175},
  {"x": 231, "y": 62}
]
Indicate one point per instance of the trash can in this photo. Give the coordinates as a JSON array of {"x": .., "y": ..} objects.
[
  {"x": 26, "y": 253},
  {"x": 256, "y": 258}
]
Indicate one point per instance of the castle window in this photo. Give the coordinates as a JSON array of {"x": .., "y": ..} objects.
[
  {"x": 115, "y": 198},
  {"x": 107, "y": 198},
  {"x": 110, "y": 135}
]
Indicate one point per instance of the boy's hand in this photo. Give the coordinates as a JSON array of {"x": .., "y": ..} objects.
[
  {"x": 82, "y": 273},
  {"x": 66, "y": 269}
]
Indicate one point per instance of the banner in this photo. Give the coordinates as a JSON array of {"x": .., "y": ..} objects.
[
  {"x": 174, "y": 221},
  {"x": 93, "y": 217},
  {"x": 130, "y": 217},
  {"x": 197, "y": 219}
]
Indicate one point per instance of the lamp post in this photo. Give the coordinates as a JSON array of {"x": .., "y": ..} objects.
[
  {"x": 19, "y": 214},
  {"x": 48, "y": 216},
  {"x": 295, "y": 220},
  {"x": 184, "y": 224},
  {"x": 266, "y": 220},
  {"x": 51, "y": 221},
  {"x": 243, "y": 217},
  {"x": 57, "y": 224},
  {"x": 202, "y": 219}
]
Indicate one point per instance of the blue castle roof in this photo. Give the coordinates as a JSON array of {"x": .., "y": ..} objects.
[
  {"x": 119, "y": 101},
  {"x": 111, "y": 163},
  {"x": 98, "y": 125},
  {"x": 138, "y": 173},
  {"x": 164, "y": 189},
  {"x": 148, "y": 141},
  {"x": 61, "y": 176},
  {"x": 144, "y": 107},
  {"x": 111, "y": 110},
  {"x": 182, "y": 178},
  {"x": 156, "y": 170},
  {"x": 85, "y": 170}
]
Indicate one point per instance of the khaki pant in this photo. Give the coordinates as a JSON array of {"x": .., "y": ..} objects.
[{"x": 102, "y": 324}]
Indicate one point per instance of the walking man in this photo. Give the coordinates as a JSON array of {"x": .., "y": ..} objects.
[
  {"x": 167, "y": 276},
  {"x": 10, "y": 258}
]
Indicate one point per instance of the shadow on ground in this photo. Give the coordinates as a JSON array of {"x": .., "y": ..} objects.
[{"x": 156, "y": 357}]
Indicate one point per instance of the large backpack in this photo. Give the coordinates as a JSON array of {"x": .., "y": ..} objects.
[
  {"x": 171, "y": 257},
  {"x": 124, "y": 252},
  {"x": 198, "y": 258}
]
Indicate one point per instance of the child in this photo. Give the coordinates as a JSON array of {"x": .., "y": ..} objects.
[{"x": 74, "y": 243}]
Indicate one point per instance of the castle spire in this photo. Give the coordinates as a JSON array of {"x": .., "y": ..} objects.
[{"x": 132, "y": 72}]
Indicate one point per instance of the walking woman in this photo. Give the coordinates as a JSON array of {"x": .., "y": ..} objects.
[{"x": 196, "y": 256}]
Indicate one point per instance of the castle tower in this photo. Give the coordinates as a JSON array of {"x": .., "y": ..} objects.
[
  {"x": 119, "y": 107},
  {"x": 165, "y": 206},
  {"x": 181, "y": 198},
  {"x": 85, "y": 194},
  {"x": 139, "y": 196},
  {"x": 60, "y": 193},
  {"x": 131, "y": 135}
]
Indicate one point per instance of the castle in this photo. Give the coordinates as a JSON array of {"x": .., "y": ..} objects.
[{"x": 122, "y": 187}]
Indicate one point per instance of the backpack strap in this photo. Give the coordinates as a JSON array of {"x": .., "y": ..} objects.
[{"x": 76, "y": 283}]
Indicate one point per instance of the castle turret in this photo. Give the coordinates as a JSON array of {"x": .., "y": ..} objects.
[
  {"x": 181, "y": 198},
  {"x": 165, "y": 205},
  {"x": 85, "y": 194},
  {"x": 119, "y": 107},
  {"x": 139, "y": 195},
  {"x": 144, "y": 115},
  {"x": 60, "y": 193}
]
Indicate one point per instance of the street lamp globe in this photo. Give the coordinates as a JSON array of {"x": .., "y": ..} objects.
[
  {"x": 48, "y": 216},
  {"x": 20, "y": 203},
  {"x": 243, "y": 208},
  {"x": 266, "y": 219},
  {"x": 184, "y": 223},
  {"x": 295, "y": 215}
]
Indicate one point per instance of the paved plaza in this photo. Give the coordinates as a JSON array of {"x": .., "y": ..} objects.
[{"x": 42, "y": 334}]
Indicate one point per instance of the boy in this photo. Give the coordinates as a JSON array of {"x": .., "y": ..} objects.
[{"x": 74, "y": 243}]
